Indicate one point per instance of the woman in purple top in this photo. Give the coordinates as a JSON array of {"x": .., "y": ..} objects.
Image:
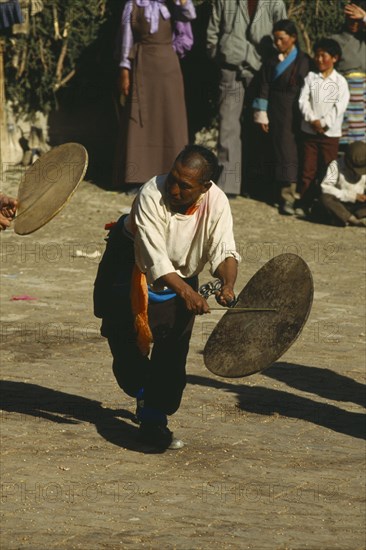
[{"x": 153, "y": 127}]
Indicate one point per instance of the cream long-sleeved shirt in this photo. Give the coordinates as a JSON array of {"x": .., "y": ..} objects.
[
  {"x": 340, "y": 182},
  {"x": 324, "y": 99},
  {"x": 170, "y": 242}
]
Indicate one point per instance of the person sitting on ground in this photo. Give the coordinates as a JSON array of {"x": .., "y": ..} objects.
[
  {"x": 344, "y": 187},
  {"x": 8, "y": 207},
  {"x": 147, "y": 284},
  {"x": 323, "y": 101}
]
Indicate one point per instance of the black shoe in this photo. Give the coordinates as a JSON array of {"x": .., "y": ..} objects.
[
  {"x": 300, "y": 213},
  {"x": 287, "y": 209},
  {"x": 356, "y": 222},
  {"x": 158, "y": 436}
]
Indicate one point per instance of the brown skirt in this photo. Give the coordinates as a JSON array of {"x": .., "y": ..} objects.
[{"x": 153, "y": 126}]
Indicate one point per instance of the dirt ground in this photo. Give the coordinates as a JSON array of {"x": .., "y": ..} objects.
[{"x": 272, "y": 461}]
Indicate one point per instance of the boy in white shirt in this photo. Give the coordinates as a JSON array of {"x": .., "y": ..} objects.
[
  {"x": 344, "y": 187},
  {"x": 323, "y": 101}
]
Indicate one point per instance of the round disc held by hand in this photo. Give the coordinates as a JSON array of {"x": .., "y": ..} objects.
[
  {"x": 251, "y": 341},
  {"x": 48, "y": 185}
]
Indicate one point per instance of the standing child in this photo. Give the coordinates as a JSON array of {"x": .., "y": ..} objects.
[
  {"x": 323, "y": 101},
  {"x": 277, "y": 109}
]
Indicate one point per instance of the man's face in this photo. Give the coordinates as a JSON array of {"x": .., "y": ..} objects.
[{"x": 184, "y": 186}]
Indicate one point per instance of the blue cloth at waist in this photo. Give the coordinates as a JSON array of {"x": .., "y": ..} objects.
[{"x": 163, "y": 296}]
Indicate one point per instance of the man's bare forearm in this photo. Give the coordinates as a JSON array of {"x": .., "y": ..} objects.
[
  {"x": 194, "y": 301},
  {"x": 227, "y": 272}
]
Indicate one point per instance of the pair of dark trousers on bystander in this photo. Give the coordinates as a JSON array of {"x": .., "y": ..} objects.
[
  {"x": 341, "y": 212},
  {"x": 319, "y": 151}
]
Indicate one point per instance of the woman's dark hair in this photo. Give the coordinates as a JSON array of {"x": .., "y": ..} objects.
[
  {"x": 328, "y": 45},
  {"x": 287, "y": 26},
  {"x": 200, "y": 158}
]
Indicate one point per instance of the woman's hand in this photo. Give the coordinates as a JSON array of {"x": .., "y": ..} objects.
[
  {"x": 265, "y": 128},
  {"x": 354, "y": 12},
  {"x": 124, "y": 82}
]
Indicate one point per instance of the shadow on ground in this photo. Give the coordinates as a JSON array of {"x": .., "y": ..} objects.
[
  {"x": 326, "y": 383},
  {"x": 66, "y": 408},
  {"x": 322, "y": 382}
]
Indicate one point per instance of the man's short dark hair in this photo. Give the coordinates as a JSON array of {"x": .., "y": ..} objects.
[
  {"x": 328, "y": 45},
  {"x": 199, "y": 157}
]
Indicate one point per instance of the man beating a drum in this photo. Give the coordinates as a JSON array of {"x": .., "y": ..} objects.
[{"x": 146, "y": 288}]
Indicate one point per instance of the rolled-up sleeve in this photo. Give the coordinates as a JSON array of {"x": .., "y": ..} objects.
[
  {"x": 222, "y": 242},
  {"x": 260, "y": 103}
]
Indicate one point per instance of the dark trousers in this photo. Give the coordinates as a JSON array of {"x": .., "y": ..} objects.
[
  {"x": 342, "y": 211},
  {"x": 319, "y": 151},
  {"x": 163, "y": 374}
]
